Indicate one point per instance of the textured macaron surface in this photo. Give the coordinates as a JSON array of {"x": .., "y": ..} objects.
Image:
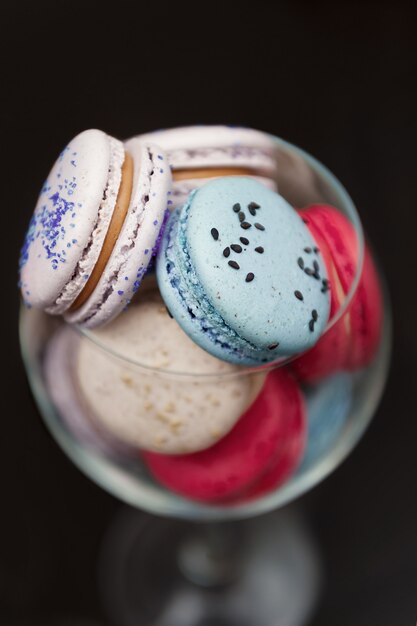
[
  {"x": 269, "y": 437},
  {"x": 196, "y": 146},
  {"x": 188, "y": 406},
  {"x": 241, "y": 273},
  {"x": 353, "y": 340},
  {"x": 137, "y": 241},
  {"x": 70, "y": 221}
]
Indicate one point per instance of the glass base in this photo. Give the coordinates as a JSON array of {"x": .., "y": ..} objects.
[{"x": 154, "y": 572}]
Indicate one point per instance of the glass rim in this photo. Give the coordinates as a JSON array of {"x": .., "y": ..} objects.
[{"x": 345, "y": 201}]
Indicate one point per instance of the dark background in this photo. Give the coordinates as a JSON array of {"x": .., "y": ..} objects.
[{"x": 337, "y": 79}]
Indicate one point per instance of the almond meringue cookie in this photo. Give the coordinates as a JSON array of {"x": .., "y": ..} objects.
[
  {"x": 199, "y": 153},
  {"x": 241, "y": 274},
  {"x": 146, "y": 399},
  {"x": 95, "y": 228}
]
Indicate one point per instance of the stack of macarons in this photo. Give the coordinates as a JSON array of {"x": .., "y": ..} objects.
[{"x": 227, "y": 279}]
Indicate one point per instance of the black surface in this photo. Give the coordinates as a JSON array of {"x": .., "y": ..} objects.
[{"x": 340, "y": 81}]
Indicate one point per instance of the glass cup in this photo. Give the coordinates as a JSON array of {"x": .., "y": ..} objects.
[{"x": 339, "y": 407}]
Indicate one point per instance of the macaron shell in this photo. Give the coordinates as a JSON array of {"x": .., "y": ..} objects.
[
  {"x": 289, "y": 451},
  {"x": 59, "y": 371},
  {"x": 166, "y": 411},
  {"x": 138, "y": 240},
  {"x": 366, "y": 313},
  {"x": 217, "y": 146},
  {"x": 329, "y": 353},
  {"x": 235, "y": 318},
  {"x": 366, "y": 309},
  {"x": 57, "y": 255},
  {"x": 233, "y": 464},
  {"x": 328, "y": 406},
  {"x": 351, "y": 343}
]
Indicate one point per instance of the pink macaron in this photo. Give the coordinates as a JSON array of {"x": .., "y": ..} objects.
[
  {"x": 257, "y": 455},
  {"x": 352, "y": 342}
]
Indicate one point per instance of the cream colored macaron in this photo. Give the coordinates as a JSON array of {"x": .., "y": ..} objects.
[{"x": 172, "y": 397}]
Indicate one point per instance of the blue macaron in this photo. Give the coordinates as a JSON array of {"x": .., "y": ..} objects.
[
  {"x": 328, "y": 407},
  {"x": 241, "y": 274}
]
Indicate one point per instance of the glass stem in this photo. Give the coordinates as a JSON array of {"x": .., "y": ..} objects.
[{"x": 211, "y": 555}]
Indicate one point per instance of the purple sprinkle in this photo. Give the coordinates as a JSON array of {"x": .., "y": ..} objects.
[
  {"x": 120, "y": 292},
  {"x": 155, "y": 222},
  {"x": 146, "y": 251}
]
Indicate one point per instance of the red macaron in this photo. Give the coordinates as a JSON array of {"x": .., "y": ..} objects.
[
  {"x": 352, "y": 341},
  {"x": 257, "y": 455}
]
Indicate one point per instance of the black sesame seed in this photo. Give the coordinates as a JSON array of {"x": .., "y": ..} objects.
[
  {"x": 300, "y": 262},
  {"x": 241, "y": 216},
  {"x": 235, "y": 265},
  {"x": 252, "y": 211},
  {"x": 272, "y": 346},
  {"x": 311, "y": 325},
  {"x": 249, "y": 277},
  {"x": 298, "y": 295},
  {"x": 236, "y": 207},
  {"x": 259, "y": 226},
  {"x": 215, "y": 234},
  {"x": 316, "y": 249},
  {"x": 236, "y": 248},
  {"x": 226, "y": 252},
  {"x": 259, "y": 249},
  {"x": 309, "y": 271},
  {"x": 316, "y": 265},
  {"x": 326, "y": 285},
  {"x": 244, "y": 241},
  {"x": 308, "y": 250},
  {"x": 316, "y": 275},
  {"x": 253, "y": 205},
  {"x": 314, "y": 315},
  {"x": 245, "y": 225}
]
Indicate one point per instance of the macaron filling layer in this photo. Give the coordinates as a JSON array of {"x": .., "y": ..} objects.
[
  {"x": 209, "y": 172},
  {"x": 255, "y": 159},
  {"x": 92, "y": 250},
  {"x": 115, "y": 226}
]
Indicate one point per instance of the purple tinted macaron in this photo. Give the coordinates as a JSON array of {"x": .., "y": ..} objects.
[{"x": 95, "y": 228}]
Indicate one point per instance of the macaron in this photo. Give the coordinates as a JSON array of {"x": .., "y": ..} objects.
[
  {"x": 198, "y": 153},
  {"x": 258, "y": 455},
  {"x": 75, "y": 416},
  {"x": 233, "y": 270},
  {"x": 352, "y": 342},
  {"x": 177, "y": 398},
  {"x": 327, "y": 406},
  {"x": 95, "y": 228}
]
